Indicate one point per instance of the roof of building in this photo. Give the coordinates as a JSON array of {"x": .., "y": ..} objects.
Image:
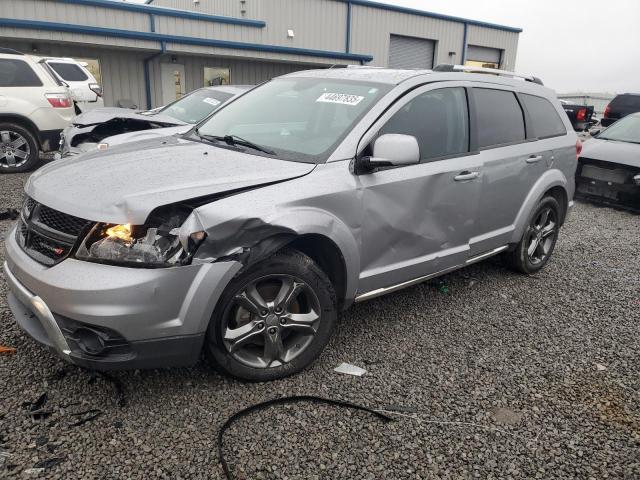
[{"x": 413, "y": 11}]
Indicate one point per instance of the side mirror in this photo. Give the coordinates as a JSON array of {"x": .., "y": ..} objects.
[
  {"x": 390, "y": 150},
  {"x": 594, "y": 132}
]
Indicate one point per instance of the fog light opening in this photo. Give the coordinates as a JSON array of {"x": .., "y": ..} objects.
[{"x": 89, "y": 341}]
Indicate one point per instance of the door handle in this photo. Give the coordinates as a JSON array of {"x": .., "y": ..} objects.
[
  {"x": 466, "y": 175},
  {"x": 534, "y": 159}
]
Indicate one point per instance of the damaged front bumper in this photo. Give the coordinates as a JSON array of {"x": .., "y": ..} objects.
[
  {"x": 609, "y": 183},
  {"x": 107, "y": 317}
]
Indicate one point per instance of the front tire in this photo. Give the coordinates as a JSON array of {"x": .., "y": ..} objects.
[
  {"x": 19, "y": 150},
  {"x": 538, "y": 241},
  {"x": 273, "y": 319}
]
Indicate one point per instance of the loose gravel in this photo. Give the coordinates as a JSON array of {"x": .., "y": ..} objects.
[{"x": 497, "y": 375}]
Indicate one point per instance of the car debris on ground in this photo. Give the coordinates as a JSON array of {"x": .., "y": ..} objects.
[{"x": 349, "y": 369}]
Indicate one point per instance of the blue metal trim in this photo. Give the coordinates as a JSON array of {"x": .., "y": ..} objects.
[
  {"x": 152, "y": 22},
  {"x": 463, "y": 57},
  {"x": 147, "y": 73},
  {"x": 348, "y": 33},
  {"x": 159, "y": 37},
  {"x": 423, "y": 13},
  {"x": 166, "y": 12}
]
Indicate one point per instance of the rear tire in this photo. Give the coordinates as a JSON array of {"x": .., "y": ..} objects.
[
  {"x": 19, "y": 150},
  {"x": 538, "y": 241},
  {"x": 273, "y": 319}
]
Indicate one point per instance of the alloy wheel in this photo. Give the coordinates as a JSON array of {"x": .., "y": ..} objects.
[
  {"x": 271, "y": 320},
  {"x": 541, "y": 235},
  {"x": 14, "y": 149}
]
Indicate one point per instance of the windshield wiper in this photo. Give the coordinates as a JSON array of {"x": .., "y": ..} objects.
[{"x": 234, "y": 140}]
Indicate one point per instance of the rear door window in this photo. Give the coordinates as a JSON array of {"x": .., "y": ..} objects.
[
  {"x": 17, "y": 73},
  {"x": 544, "y": 118},
  {"x": 438, "y": 119},
  {"x": 499, "y": 117},
  {"x": 626, "y": 102},
  {"x": 69, "y": 71}
]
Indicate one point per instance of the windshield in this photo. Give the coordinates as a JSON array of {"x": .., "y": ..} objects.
[
  {"x": 301, "y": 119},
  {"x": 625, "y": 130},
  {"x": 197, "y": 105}
]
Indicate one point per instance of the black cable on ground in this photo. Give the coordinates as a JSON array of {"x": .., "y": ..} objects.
[{"x": 280, "y": 401}]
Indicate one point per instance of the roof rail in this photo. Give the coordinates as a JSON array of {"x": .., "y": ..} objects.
[
  {"x": 445, "y": 67},
  {"x": 10, "y": 51}
]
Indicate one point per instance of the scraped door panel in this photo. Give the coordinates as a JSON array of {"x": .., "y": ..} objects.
[{"x": 417, "y": 220}]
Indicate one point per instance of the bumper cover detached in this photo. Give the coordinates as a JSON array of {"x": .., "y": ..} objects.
[
  {"x": 105, "y": 317},
  {"x": 609, "y": 184}
]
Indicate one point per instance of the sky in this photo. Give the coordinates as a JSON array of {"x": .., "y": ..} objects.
[{"x": 573, "y": 46}]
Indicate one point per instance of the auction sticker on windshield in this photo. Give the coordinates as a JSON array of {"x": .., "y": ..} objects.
[
  {"x": 342, "y": 98},
  {"x": 211, "y": 101}
]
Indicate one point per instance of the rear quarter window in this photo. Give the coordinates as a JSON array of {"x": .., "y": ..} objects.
[
  {"x": 69, "y": 71},
  {"x": 626, "y": 101},
  {"x": 544, "y": 117},
  {"x": 499, "y": 117},
  {"x": 17, "y": 73}
]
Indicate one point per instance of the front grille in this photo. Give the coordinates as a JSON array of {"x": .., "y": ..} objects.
[
  {"x": 61, "y": 221},
  {"x": 29, "y": 205},
  {"x": 47, "y": 235}
]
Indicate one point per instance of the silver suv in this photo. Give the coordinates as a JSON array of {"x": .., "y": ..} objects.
[{"x": 245, "y": 237}]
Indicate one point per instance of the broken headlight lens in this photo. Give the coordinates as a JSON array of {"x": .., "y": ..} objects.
[{"x": 154, "y": 245}]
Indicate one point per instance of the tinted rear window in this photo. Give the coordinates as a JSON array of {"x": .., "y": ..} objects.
[
  {"x": 544, "y": 118},
  {"x": 499, "y": 117},
  {"x": 69, "y": 71},
  {"x": 17, "y": 73},
  {"x": 626, "y": 101}
]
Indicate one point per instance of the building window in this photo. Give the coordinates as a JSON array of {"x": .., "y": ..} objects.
[{"x": 216, "y": 76}]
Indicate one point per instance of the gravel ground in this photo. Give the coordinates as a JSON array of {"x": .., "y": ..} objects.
[{"x": 499, "y": 376}]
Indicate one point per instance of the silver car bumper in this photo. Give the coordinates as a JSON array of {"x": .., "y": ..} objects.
[
  {"x": 40, "y": 323},
  {"x": 160, "y": 314}
]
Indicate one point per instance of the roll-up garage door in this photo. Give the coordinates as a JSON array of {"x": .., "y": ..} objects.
[
  {"x": 483, "y": 54},
  {"x": 410, "y": 52}
]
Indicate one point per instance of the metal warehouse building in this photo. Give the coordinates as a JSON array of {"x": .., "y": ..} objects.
[{"x": 151, "y": 54}]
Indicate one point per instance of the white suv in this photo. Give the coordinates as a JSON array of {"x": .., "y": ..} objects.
[
  {"x": 34, "y": 109},
  {"x": 85, "y": 90}
]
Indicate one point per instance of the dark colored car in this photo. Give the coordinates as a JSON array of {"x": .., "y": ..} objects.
[
  {"x": 621, "y": 106},
  {"x": 609, "y": 165},
  {"x": 579, "y": 115}
]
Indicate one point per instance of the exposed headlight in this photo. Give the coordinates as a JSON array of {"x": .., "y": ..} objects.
[
  {"x": 153, "y": 245},
  {"x": 92, "y": 146},
  {"x": 87, "y": 146}
]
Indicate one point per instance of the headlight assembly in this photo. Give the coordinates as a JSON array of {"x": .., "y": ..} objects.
[{"x": 158, "y": 244}]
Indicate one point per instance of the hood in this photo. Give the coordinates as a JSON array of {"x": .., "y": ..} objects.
[
  {"x": 124, "y": 184},
  {"x": 101, "y": 115},
  {"x": 145, "y": 135},
  {"x": 623, "y": 153}
]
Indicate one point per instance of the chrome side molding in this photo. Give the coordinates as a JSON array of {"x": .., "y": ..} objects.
[{"x": 383, "y": 291}]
